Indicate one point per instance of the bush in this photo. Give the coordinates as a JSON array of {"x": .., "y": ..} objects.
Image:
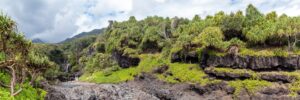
[
  {"x": 212, "y": 37},
  {"x": 238, "y": 42},
  {"x": 99, "y": 62}
]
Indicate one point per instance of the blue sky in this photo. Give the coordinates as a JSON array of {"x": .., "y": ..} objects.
[{"x": 55, "y": 20}]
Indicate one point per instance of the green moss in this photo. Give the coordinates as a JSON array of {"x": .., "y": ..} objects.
[
  {"x": 188, "y": 73},
  {"x": 236, "y": 71},
  {"x": 270, "y": 52},
  {"x": 216, "y": 53},
  {"x": 115, "y": 77},
  {"x": 295, "y": 86},
  {"x": 259, "y": 53},
  {"x": 250, "y": 85}
]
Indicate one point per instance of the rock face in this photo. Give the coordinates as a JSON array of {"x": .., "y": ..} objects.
[
  {"x": 190, "y": 57},
  {"x": 236, "y": 61},
  {"x": 255, "y": 63},
  {"x": 125, "y": 61}
]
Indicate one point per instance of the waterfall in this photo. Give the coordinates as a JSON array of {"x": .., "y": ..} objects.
[{"x": 67, "y": 68}]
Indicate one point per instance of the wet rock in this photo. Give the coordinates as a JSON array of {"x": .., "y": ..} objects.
[
  {"x": 89, "y": 91},
  {"x": 275, "y": 90},
  {"x": 227, "y": 75},
  {"x": 125, "y": 61},
  {"x": 161, "y": 69},
  {"x": 55, "y": 95},
  {"x": 207, "y": 89},
  {"x": 277, "y": 77}
]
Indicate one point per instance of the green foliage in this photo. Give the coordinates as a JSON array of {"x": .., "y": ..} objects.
[
  {"x": 99, "y": 62},
  {"x": 237, "y": 42},
  {"x": 253, "y": 16},
  {"x": 233, "y": 22},
  {"x": 28, "y": 92},
  {"x": 211, "y": 37}
]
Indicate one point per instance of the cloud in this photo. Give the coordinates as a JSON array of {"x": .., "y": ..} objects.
[{"x": 55, "y": 20}]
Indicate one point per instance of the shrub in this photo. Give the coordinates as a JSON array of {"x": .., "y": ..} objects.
[
  {"x": 212, "y": 37},
  {"x": 99, "y": 62}
]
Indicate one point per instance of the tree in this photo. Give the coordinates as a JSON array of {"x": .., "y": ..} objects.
[
  {"x": 151, "y": 39},
  {"x": 132, "y": 19},
  {"x": 232, "y": 25},
  {"x": 15, "y": 49},
  {"x": 211, "y": 37},
  {"x": 218, "y": 18},
  {"x": 196, "y": 18},
  {"x": 272, "y": 16},
  {"x": 253, "y": 16}
]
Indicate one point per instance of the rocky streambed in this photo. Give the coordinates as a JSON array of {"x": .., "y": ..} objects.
[{"x": 146, "y": 87}]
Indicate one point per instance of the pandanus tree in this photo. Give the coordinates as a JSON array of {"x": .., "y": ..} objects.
[
  {"x": 15, "y": 55},
  {"x": 15, "y": 49}
]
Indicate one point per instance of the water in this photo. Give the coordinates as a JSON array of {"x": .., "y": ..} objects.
[{"x": 67, "y": 68}]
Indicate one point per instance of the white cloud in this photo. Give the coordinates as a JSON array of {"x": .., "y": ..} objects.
[{"x": 55, "y": 20}]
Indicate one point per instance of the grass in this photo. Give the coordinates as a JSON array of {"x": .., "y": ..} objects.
[
  {"x": 187, "y": 73},
  {"x": 250, "y": 85},
  {"x": 216, "y": 53},
  {"x": 270, "y": 52},
  {"x": 295, "y": 86},
  {"x": 115, "y": 77}
]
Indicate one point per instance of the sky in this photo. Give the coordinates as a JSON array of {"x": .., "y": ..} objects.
[{"x": 56, "y": 20}]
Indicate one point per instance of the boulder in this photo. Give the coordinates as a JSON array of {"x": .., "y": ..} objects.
[
  {"x": 125, "y": 61},
  {"x": 277, "y": 77}
]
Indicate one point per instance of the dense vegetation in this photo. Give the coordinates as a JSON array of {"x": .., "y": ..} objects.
[
  {"x": 153, "y": 41},
  {"x": 253, "y": 33}
]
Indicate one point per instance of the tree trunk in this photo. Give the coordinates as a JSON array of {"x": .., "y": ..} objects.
[
  {"x": 13, "y": 79},
  {"x": 289, "y": 43},
  {"x": 13, "y": 82},
  {"x": 295, "y": 42}
]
